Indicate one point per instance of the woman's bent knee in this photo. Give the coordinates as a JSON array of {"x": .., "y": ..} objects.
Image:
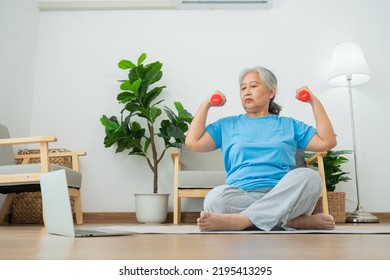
[
  {"x": 310, "y": 177},
  {"x": 214, "y": 200},
  {"x": 226, "y": 199}
]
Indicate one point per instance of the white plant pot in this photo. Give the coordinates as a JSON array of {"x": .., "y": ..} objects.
[{"x": 151, "y": 208}]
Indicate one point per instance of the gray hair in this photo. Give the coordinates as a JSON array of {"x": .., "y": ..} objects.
[{"x": 269, "y": 80}]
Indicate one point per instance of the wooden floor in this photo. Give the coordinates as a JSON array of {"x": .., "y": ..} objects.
[{"x": 30, "y": 242}]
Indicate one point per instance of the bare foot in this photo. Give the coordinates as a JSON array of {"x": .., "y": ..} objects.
[
  {"x": 317, "y": 221},
  {"x": 212, "y": 221}
]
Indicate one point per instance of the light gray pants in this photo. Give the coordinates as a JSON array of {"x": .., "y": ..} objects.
[{"x": 295, "y": 195}]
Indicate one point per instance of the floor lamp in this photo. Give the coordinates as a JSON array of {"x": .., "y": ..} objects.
[{"x": 349, "y": 68}]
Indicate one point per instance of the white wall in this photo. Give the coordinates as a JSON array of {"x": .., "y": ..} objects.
[
  {"x": 18, "y": 40},
  {"x": 76, "y": 81},
  {"x": 18, "y": 33}
]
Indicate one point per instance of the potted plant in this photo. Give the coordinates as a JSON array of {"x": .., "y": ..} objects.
[
  {"x": 137, "y": 130},
  {"x": 333, "y": 172},
  {"x": 333, "y": 176}
]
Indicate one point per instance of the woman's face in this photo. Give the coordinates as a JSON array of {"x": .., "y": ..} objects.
[{"x": 255, "y": 96}]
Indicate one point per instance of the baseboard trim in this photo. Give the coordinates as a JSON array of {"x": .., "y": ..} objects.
[
  {"x": 186, "y": 217},
  {"x": 384, "y": 217}
]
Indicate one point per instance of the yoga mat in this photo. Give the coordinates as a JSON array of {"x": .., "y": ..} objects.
[{"x": 193, "y": 229}]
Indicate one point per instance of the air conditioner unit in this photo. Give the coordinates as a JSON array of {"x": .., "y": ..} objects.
[{"x": 223, "y": 4}]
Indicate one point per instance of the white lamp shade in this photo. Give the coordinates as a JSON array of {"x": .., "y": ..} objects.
[{"x": 348, "y": 61}]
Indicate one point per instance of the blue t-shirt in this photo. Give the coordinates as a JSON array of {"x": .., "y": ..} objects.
[{"x": 258, "y": 152}]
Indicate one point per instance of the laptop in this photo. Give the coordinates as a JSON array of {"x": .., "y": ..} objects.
[{"x": 57, "y": 209}]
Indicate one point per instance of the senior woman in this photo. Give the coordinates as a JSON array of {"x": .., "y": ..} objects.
[{"x": 262, "y": 189}]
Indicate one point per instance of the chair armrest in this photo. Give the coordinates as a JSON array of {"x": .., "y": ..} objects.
[
  {"x": 176, "y": 159},
  {"x": 175, "y": 155},
  {"x": 314, "y": 158},
  {"x": 27, "y": 140},
  {"x": 43, "y": 141}
]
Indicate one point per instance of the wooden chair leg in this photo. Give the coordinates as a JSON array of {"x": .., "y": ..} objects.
[
  {"x": 179, "y": 210},
  {"x": 324, "y": 193},
  {"x": 78, "y": 211},
  {"x": 76, "y": 195},
  {"x": 176, "y": 211},
  {"x": 325, "y": 206},
  {"x": 6, "y": 206}
]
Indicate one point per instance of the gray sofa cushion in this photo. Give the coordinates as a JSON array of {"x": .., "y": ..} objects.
[
  {"x": 201, "y": 161},
  {"x": 6, "y": 151},
  {"x": 73, "y": 177},
  {"x": 201, "y": 179}
]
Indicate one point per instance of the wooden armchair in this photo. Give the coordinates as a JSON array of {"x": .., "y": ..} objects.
[
  {"x": 195, "y": 174},
  {"x": 25, "y": 177}
]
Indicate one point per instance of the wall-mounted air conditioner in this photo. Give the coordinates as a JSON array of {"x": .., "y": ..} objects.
[{"x": 223, "y": 4}]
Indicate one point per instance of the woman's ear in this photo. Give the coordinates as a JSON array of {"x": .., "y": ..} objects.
[{"x": 272, "y": 93}]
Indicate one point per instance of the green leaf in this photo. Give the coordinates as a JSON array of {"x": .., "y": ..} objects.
[
  {"x": 147, "y": 145},
  {"x": 125, "y": 64},
  {"x": 104, "y": 120},
  {"x": 183, "y": 114},
  {"x": 126, "y": 86},
  {"x": 175, "y": 132},
  {"x": 135, "y": 126},
  {"x": 154, "y": 114},
  {"x": 136, "y": 85},
  {"x": 179, "y": 107},
  {"x": 132, "y": 107},
  {"x": 141, "y": 58},
  {"x": 125, "y": 97},
  {"x": 153, "y": 72},
  {"x": 111, "y": 124},
  {"x": 144, "y": 112},
  {"x": 171, "y": 115},
  {"x": 152, "y": 95},
  {"x": 136, "y": 73}
]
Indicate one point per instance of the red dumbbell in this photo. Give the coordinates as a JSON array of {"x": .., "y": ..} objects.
[
  {"x": 216, "y": 99},
  {"x": 303, "y": 95}
]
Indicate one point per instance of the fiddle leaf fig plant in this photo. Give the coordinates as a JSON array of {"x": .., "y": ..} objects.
[{"x": 137, "y": 130}]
